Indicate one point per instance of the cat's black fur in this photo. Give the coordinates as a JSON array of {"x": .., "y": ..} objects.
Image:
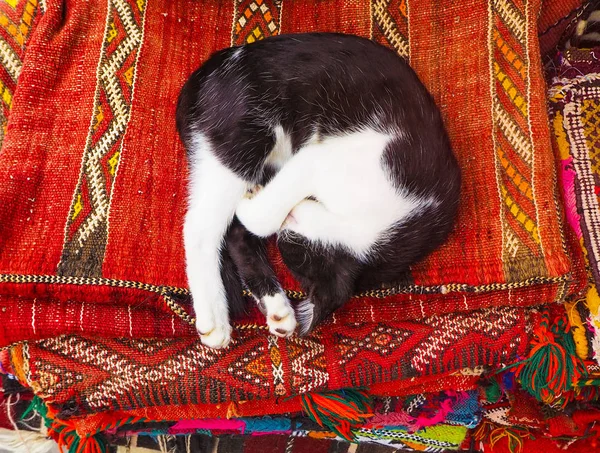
[{"x": 334, "y": 83}]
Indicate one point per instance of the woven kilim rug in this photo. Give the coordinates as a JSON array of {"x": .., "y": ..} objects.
[
  {"x": 93, "y": 177},
  {"x": 81, "y": 375}
]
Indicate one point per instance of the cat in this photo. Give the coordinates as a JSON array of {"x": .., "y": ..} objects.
[{"x": 329, "y": 141}]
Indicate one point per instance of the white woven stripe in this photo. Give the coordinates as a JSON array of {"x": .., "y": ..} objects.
[
  {"x": 511, "y": 17},
  {"x": 513, "y": 134},
  {"x": 108, "y": 81},
  {"x": 10, "y": 60},
  {"x": 585, "y": 176}
]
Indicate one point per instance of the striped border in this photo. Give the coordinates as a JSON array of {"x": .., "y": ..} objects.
[
  {"x": 85, "y": 245},
  {"x": 168, "y": 291},
  {"x": 386, "y": 16},
  {"x": 523, "y": 252}
]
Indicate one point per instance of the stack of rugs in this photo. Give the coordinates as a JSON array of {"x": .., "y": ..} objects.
[{"x": 490, "y": 344}]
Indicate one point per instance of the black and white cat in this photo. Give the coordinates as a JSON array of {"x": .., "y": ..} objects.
[{"x": 347, "y": 159}]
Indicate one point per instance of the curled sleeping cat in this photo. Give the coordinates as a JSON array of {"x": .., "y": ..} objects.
[{"x": 329, "y": 141}]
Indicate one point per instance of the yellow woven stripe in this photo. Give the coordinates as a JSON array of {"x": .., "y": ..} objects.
[
  {"x": 511, "y": 90},
  {"x": 5, "y": 95},
  {"x": 577, "y": 329},
  {"x": 520, "y": 216},
  {"x": 590, "y": 119},
  {"x": 19, "y": 32},
  {"x": 561, "y": 136},
  {"x": 519, "y": 181},
  {"x": 12, "y": 29},
  {"x": 510, "y": 54}
]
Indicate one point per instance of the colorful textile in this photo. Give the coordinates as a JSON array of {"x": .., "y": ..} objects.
[
  {"x": 144, "y": 372},
  {"x": 18, "y": 19},
  {"x": 419, "y": 411},
  {"x": 294, "y": 443},
  {"x": 84, "y": 375},
  {"x": 518, "y": 423},
  {"x": 91, "y": 194},
  {"x": 574, "y": 102},
  {"x": 440, "y": 437}
]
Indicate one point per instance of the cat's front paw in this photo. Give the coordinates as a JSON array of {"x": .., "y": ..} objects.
[
  {"x": 280, "y": 315},
  {"x": 305, "y": 219},
  {"x": 217, "y": 338},
  {"x": 254, "y": 219},
  {"x": 213, "y": 333}
]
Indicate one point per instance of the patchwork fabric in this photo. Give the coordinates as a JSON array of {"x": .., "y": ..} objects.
[{"x": 91, "y": 197}]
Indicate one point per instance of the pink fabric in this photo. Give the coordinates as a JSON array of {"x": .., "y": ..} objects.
[
  {"x": 212, "y": 424},
  {"x": 568, "y": 177}
]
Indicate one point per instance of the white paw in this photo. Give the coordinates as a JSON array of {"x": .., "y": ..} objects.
[
  {"x": 213, "y": 333},
  {"x": 217, "y": 338},
  {"x": 304, "y": 218},
  {"x": 280, "y": 315},
  {"x": 254, "y": 219}
]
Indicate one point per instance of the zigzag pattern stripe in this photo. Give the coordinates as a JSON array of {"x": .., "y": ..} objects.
[
  {"x": 511, "y": 90},
  {"x": 518, "y": 180},
  {"x": 387, "y": 16},
  {"x": 10, "y": 60},
  {"x": 98, "y": 182},
  {"x": 511, "y": 16},
  {"x": 389, "y": 27},
  {"x": 509, "y": 54},
  {"x": 513, "y": 134}
]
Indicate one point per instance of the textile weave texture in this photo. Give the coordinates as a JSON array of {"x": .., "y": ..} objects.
[
  {"x": 557, "y": 20},
  {"x": 574, "y": 101},
  {"x": 84, "y": 375},
  {"x": 93, "y": 176}
]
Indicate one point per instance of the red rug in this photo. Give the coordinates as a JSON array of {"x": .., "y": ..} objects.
[
  {"x": 82, "y": 375},
  {"x": 92, "y": 175}
]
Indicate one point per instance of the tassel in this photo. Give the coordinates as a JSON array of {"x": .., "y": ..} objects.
[
  {"x": 64, "y": 433},
  {"x": 37, "y": 405},
  {"x": 340, "y": 411},
  {"x": 491, "y": 434},
  {"x": 553, "y": 367}
]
